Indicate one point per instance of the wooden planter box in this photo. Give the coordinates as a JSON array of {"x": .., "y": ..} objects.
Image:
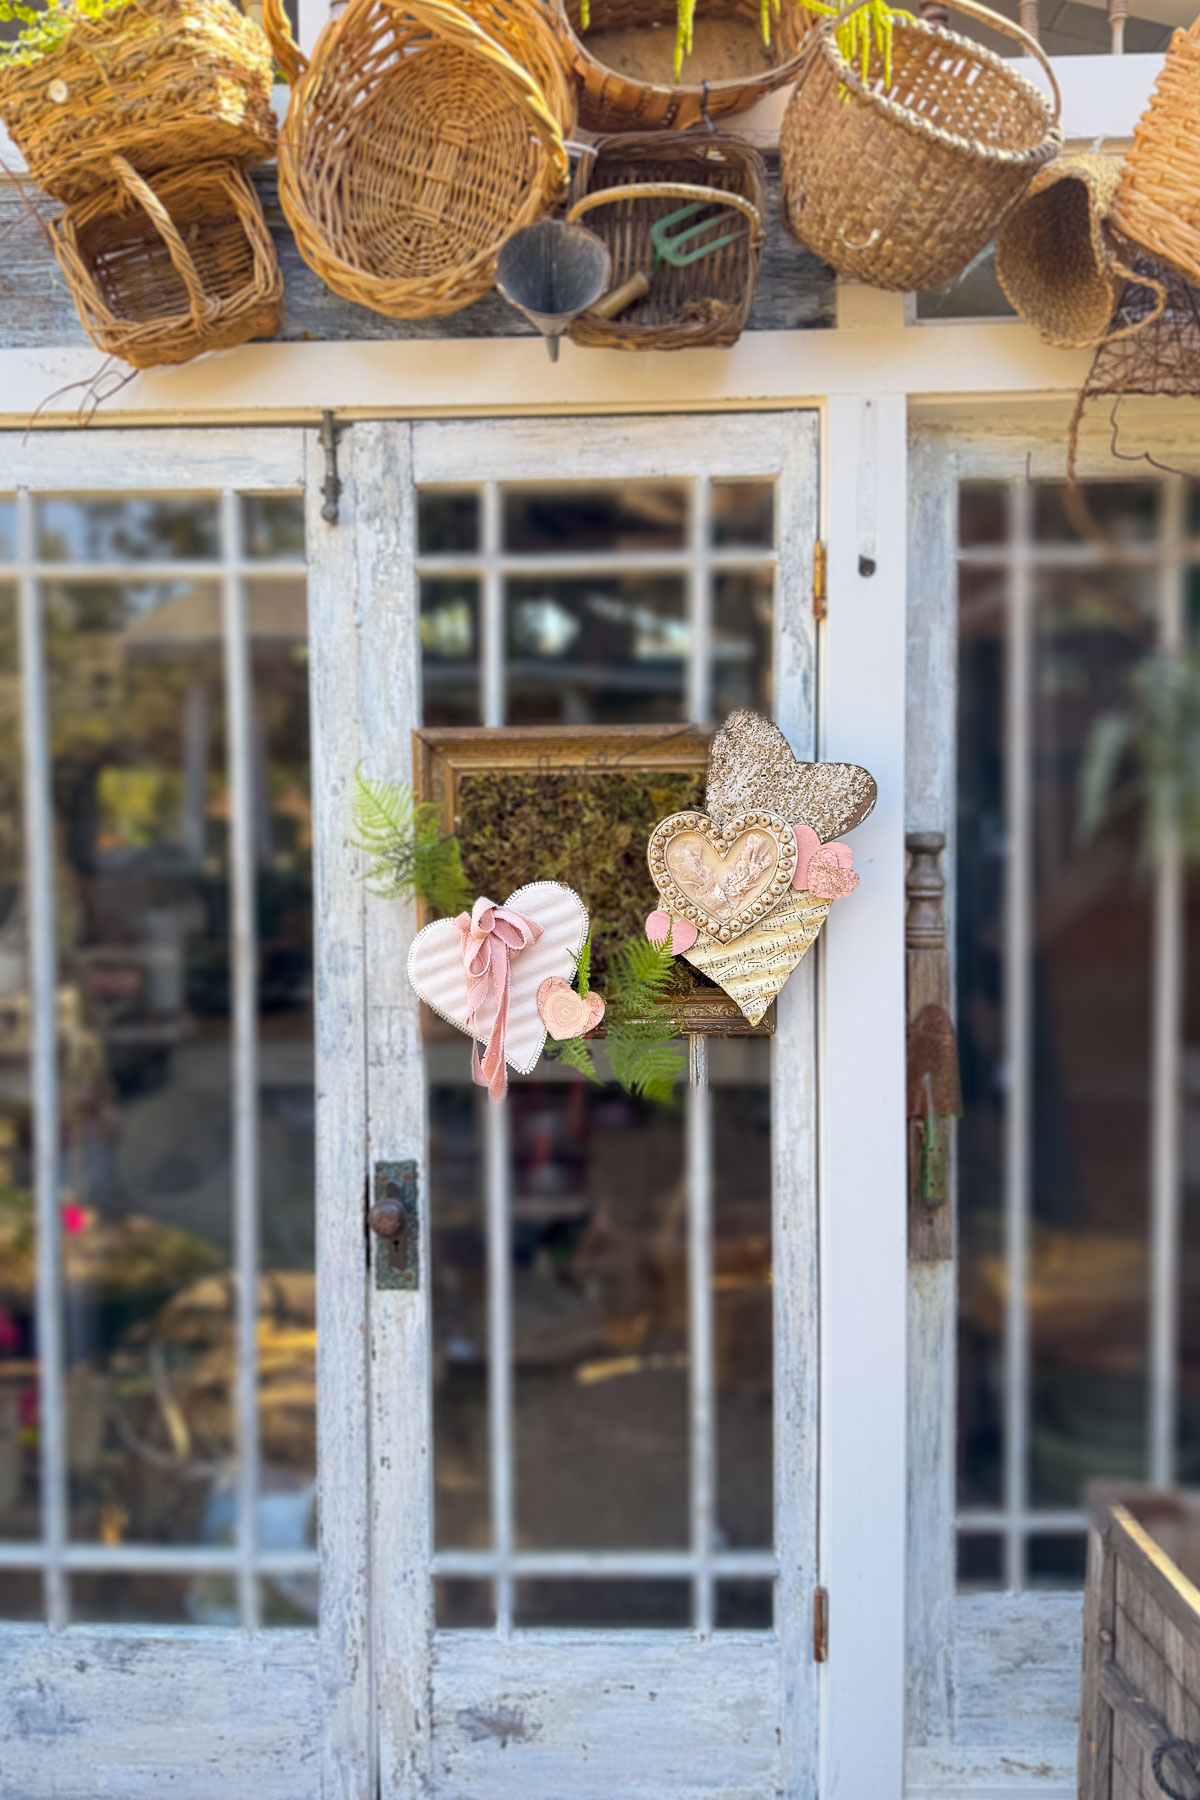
[{"x": 1139, "y": 1730}]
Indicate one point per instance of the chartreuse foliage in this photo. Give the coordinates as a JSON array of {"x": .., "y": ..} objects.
[
  {"x": 1145, "y": 759},
  {"x": 409, "y": 854},
  {"x": 642, "y": 1037},
  {"x": 43, "y": 28}
]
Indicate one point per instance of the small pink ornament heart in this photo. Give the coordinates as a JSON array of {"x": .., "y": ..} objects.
[
  {"x": 683, "y": 933},
  {"x": 823, "y": 870},
  {"x": 564, "y": 1013}
]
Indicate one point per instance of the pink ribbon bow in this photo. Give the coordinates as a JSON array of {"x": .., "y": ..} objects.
[{"x": 491, "y": 936}]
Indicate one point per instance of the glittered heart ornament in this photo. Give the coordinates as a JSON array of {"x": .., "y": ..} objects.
[
  {"x": 724, "y": 881},
  {"x": 435, "y": 968},
  {"x": 753, "y": 969},
  {"x": 564, "y": 1013},
  {"x": 751, "y": 769}
]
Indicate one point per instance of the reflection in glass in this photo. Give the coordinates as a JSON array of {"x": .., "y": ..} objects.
[
  {"x": 447, "y": 521},
  {"x": 584, "y": 1605},
  {"x": 745, "y": 1605},
  {"x": 742, "y": 1300},
  {"x": 127, "y": 530},
  {"x": 742, "y": 626},
  {"x": 20, "y": 1473},
  {"x": 599, "y": 1318},
  {"x": 289, "y": 1601},
  {"x": 596, "y": 650},
  {"x": 458, "y": 1279},
  {"x": 139, "y": 1599},
  {"x": 980, "y": 1562},
  {"x": 8, "y": 531},
  {"x": 1129, "y": 509},
  {"x": 287, "y": 1286},
  {"x": 272, "y": 526},
  {"x": 1189, "y": 1260},
  {"x": 137, "y": 720},
  {"x": 982, "y": 513},
  {"x": 982, "y": 677},
  {"x": 1056, "y": 1560},
  {"x": 634, "y": 515},
  {"x": 22, "y": 1596},
  {"x": 1093, "y": 921},
  {"x": 450, "y": 651},
  {"x": 743, "y": 513},
  {"x": 463, "y": 1605}
]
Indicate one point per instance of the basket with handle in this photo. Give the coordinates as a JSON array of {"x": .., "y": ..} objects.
[
  {"x": 625, "y": 186},
  {"x": 159, "y": 82},
  {"x": 900, "y": 182},
  {"x": 1157, "y": 203},
  {"x": 421, "y": 135},
  {"x": 161, "y": 274},
  {"x": 642, "y": 94}
]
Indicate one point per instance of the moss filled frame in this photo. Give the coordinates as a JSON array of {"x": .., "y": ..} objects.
[{"x": 530, "y": 803}]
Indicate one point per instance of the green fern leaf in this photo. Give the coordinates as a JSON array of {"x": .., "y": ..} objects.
[{"x": 576, "y": 1053}]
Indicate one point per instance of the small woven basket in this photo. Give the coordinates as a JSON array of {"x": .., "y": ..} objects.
[
  {"x": 1157, "y": 203},
  {"x": 900, "y": 185},
  {"x": 625, "y": 185},
  {"x": 162, "y": 274},
  {"x": 420, "y": 136},
  {"x": 1058, "y": 261},
  {"x": 612, "y": 100},
  {"x": 158, "y": 82}
]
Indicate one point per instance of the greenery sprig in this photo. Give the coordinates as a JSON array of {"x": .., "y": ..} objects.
[
  {"x": 43, "y": 28},
  {"x": 1147, "y": 756},
  {"x": 644, "y": 1057},
  {"x": 409, "y": 853}
]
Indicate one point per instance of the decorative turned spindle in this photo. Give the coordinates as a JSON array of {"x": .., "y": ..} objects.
[
  {"x": 1118, "y": 12},
  {"x": 1027, "y": 16}
]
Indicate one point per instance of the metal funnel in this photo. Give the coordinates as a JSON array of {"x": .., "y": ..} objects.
[{"x": 552, "y": 271}]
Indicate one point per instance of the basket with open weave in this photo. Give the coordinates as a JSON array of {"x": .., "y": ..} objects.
[
  {"x": 421, "y": 135},
  {"x": 625, "y": 185},
  {"x": 1157, "y": 203},
  {"x": 159, "y": 82},
  {"x": 162, "y": 273},
  {"x": 899, "y": 179},
  {"x": 641, "y": 93}
]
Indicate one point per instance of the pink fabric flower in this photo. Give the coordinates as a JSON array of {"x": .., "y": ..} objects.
[
  {"x": 824, "y": 870},
  {"x": 74, "y": 1218},
  {"x": 682, "y": 933}
]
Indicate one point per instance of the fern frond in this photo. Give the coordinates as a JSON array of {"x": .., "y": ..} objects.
[
  {"x": 576, "y": 1053},
  {"x": 644, "y": 1063},
  {"x": 583, "y": 966},
  {"x": 407, "y": 853}
]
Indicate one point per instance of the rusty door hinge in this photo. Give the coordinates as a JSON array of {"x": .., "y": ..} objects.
[
  {"x": 820, "y": 1624},
  {"x": 820, "y": 581}
]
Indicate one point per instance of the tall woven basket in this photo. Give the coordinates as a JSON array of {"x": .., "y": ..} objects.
[
  {"x": 419, "y": 137},
  {"x": 624, "y": 185},
  {"x": 1158, "y": 201},
  {"x": 901, "y": 183},
  {"x": 641, "y": 94},
  {"x": 159, "y": 82},
  {"x": 161, "y": 274}
]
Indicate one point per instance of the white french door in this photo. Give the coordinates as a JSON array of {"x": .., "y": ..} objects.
[{"x": 593, "y": 1543}]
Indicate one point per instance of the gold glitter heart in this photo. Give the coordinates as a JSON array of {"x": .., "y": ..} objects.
[{"x": 751, "y": 769}]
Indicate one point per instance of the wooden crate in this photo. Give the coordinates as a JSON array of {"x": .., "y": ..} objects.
[{"x": 1139, "y": 1730}]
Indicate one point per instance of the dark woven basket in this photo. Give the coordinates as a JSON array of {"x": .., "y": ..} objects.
[{"x": 705, "y": 304}]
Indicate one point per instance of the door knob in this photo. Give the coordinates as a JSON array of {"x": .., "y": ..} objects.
[{"x": 392, "y": 1216}]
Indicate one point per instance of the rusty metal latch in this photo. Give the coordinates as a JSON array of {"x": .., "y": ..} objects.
[
  {"x": 394, "y": 1219},
  {"x": 820, "y": 1624}
]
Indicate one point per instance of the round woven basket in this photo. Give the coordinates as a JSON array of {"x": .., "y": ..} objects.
[
  {"x": 159, "y": 82},
  {"x": 900, "y": 185},
  {"x": 161, "y": 274},
  {"x": 1157, "y": 203},
  {"x": 1057, "y": 260},
  {"x": 419, "y": 137},
  {"x": 625, "y": 185},
  {"x": 614, "y": 100}
]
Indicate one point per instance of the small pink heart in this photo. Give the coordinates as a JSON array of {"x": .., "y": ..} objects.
[
  {"x": 807, "y": 844},
  {"x": 564, "y": 1013},
  {"x": 831, "y": 872},
  {"x": 682, "y": 933}
]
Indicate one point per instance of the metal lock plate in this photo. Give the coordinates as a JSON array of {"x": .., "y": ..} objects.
[{"x": 398, "y": 1254}]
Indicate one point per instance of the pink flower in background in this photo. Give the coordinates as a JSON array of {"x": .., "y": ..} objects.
[
  {"x": 10, "y": 1334},
  {"x": 74, "y": 1218}
]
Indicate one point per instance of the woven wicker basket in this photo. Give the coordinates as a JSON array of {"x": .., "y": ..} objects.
[
  {"x": 625, "y": 185},
  {"x": 612, "y": 101},
  {"x": 901, "y": 186},
  {"x": 159, "y": 82},
  {"x": 1158, "y": 201},
  {"x": 1057, "y": 260},
  {"x": 419, "y": 137},
  {"x": 162, "y": 274}
]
